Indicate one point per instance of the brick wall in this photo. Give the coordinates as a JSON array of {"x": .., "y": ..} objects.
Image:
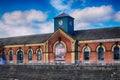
[{"x": 59, "y": 72}]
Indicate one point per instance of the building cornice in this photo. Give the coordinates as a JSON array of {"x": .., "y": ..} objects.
[
  {"x": 22, "y": 45},
  {"x": 84, "y": 41},
  {"x": 100, "y": 40}
]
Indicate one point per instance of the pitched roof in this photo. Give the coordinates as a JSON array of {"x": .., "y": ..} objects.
[
  {"x": 31, "y": 39},
  {"x": 91, "y": 34},
  {"x": 63, "y": 15},
  {"x": 94, "y": 34}
]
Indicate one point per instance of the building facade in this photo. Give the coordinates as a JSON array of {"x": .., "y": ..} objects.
[{"x": 97, "y": 46}]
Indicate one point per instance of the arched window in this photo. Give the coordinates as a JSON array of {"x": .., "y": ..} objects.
[
  {"x": 39, "y": 55},
  {"x": 20, "y": 56},
  {"x": 4, "y": 57},
  {"x": 59, "y": 51},
  {"x": 86, "y": 53},
  {"x": 10, "y": 55},
  {"x": 116, "y": 53},
  {"x": 30, "y": 54},
  {"x": 100, "y": 53}
]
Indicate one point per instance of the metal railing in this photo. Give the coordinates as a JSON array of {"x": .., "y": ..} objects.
[{"x": 77, "y": 62}]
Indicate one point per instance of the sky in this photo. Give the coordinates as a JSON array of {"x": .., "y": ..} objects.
[{"x": 30, "y": 17}]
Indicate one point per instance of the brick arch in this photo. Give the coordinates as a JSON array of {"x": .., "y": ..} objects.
[
  {"x": 100, "y": 46},
  {"x": 114, "y": 47},
  {"x": 57, "y": 43},
  {"x": 21, "y": 50},
  {"x": 31, "y": 50},
  {"x": 85, "y": 47}
]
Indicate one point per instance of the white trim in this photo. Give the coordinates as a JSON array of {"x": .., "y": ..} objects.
[
  {"x": 115, "y": 46},
  {"x": 85, "y": 47},
  {"x": 22, "y": 45},
  {"x": 87, "y": 61},
  {"x": 38, "y": 49},
  {"x": 117, "y": 61},
  {"x": 58, "y": 43},
  {"x": 99, "y": 47},
  {"x": 9, "y": 52},
  {"x": 28, "y": 50},
  {"x": 21, "y": 50},
  {"x": 100, "y": 40}
]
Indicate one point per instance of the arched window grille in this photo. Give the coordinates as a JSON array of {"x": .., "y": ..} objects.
[
  {"x": 30, "y": 54},
  {"x": 100, "y": 53},
  {"x": 39, "y": 55},
  {"x": 116, "y": 52},
  {"x": 20, "y": 56}
]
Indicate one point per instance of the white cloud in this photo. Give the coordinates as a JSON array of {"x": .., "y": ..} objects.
[
  {"x": 91, "y": 15},
  {"x": 19, "y": 23},
  {"x": 7, "y": 30},
  {"x": 117, "y": 16},
  {"x": 81, "y": 25},
  {"x": 61, "y": 4},
  {"x": 34, "y": 15},
  {"x": 46, "y": 27},
  {"x": 19, "y": 17}
]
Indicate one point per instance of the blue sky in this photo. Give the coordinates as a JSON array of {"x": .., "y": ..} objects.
[{"x": 29, "y": 17}]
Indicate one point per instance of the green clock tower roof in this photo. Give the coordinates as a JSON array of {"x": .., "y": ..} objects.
[{"x": 63, "y": 15}]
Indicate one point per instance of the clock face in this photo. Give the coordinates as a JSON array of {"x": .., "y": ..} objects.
[{"x": 60, "y": 22}]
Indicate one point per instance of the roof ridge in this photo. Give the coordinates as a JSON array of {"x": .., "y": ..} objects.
[
  {"x": 63, "y": 15},
  {"x": 99, "y": 28},
  {"x": 26, "y": 35}
]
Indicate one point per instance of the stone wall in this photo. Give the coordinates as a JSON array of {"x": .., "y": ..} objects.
[{"x": 59, "y": 72}]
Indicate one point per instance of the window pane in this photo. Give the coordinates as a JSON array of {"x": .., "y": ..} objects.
[
  {"x": 3, "y": 57},
  {"x": 59, "y": 52},
  {"x": 10, "y": 55},
  {"x": 86, "y": 53},
  {"x": 20, "y": 56},
  {"x": 100, "y": 53},
  {"x": 39, "y": 57},
  {"x": 30, "y": 55},
  {"x": 116, "y": 53}
]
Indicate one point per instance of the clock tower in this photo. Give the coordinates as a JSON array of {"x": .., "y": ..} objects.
[{"x": 65, "y": 22}]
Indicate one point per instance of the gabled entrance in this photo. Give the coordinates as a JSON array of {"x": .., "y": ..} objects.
[{"x": 61, "y": 47}]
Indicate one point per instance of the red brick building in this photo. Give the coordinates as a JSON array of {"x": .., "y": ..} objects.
[{"x": 63, "y": 46}]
